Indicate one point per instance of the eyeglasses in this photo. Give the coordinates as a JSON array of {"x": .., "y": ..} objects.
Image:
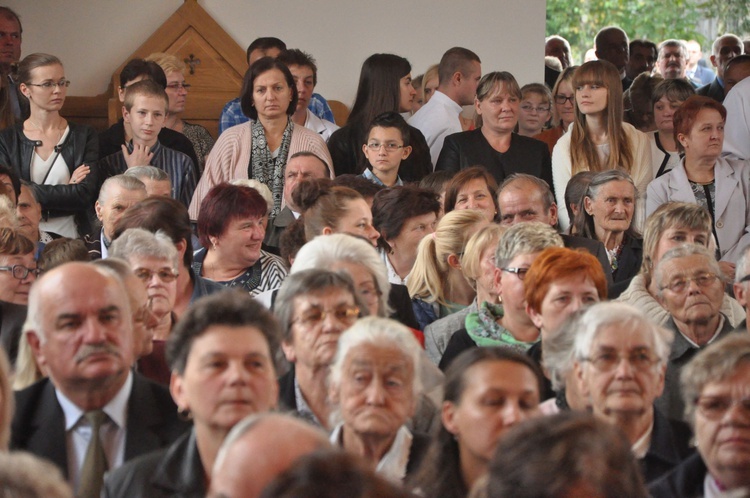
[
  {"x": 520, "y": 272},
  {"x": 561, "y": 99},
  {"x": 389, "y": 147},
  {"x": 531, "y": 108},
  {"x": 177, "y": 86},
  {"x": 49, "y": 85},
  {"x": 715, "y": 407},
  {"x": 316, "y": 316},
  {"x": 20, "y": 272},
  {"x": 607, "y": 362},
  {"x": 680, "y": 285},
  {"x": 166, "y": 275}
]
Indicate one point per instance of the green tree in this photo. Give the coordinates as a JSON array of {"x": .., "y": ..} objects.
[
  {"x": 579, "y": 20},
  {"x": 733, "y": 16}
]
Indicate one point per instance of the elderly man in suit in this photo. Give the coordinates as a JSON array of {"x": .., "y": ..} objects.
[
  {"x": 724, "y": 48},
  {"x": 92, "y": 413}
]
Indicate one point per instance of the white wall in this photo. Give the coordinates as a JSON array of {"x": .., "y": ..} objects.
[{"x": 93, "y": 37}]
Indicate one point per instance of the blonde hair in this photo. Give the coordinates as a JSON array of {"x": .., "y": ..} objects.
[
  {"x": 428, "y": 279},
  {"x": 27, "y": 369},
  {"x": 583, "y": 152},
  {"x": 167, "y": 62},
  {"x": 487, "y": 237},
  {"x": 261, "y": 188},
  {"x": 432, "y": 72}
]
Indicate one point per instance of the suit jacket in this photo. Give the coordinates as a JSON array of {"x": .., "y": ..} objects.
[
  {"x": 684, "y": 481},
  {"x": 702, "y": 76},
  {"x": 713, "y": 90},
  {"x": 39, "y": 423},
  {"x": 628, "y": 266},
  {"x": 670, "y": 444},
  {"x": 175, "y": 471},
  {"x": 277, "y": 226},
  {"x": 470, "y": 148},
  {"x": 93, "y": 243},
  {"x": 12, "y": 317},
  {"x": 731, "y": 215}
]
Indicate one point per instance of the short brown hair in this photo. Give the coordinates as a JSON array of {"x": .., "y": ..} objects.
[{"x": 145, "y": 88}]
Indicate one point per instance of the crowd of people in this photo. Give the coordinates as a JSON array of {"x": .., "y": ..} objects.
[{"x": 545, "y": 296}]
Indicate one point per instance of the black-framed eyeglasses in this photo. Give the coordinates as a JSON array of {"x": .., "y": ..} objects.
[
  {"x": 177, "y": 86},
  {"x": 520, "y": 272},
  {"x": 49, "y": 85},
  {"x": 20, "y": 272},
  {"x": 315, "y": 316},
  {"x": 680, "y": 285},
  {"x": 561, "y": 99}
]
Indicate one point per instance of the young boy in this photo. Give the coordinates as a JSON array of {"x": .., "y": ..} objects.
[
  {"x": 145, "y": 110},
  {"x": 387, "y": 145}
]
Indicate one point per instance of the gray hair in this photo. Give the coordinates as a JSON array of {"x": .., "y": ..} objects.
[
  {"x": 151, "y": 172},
  {"x": 307, "y": 282},
  {"x": 140, "y": 242},
  {"x": 127, "y": 182},
  {"x": 743, "y": 264},
  {"x": 525, "y": 238},
  {"x": 324, "y": 251},
  {"x": 379, "y": 332},
  {"x": 717, "y": 42},
  {"x": 259, "y": 187},
  {"x": 627, "y": 319},
  {"x": 684, "y": 251},
  {"x": 717, "y": 362},
  {"x": 118, "y": 266},
  {"x": 584, "y": 222},
  {"x": 25, "y": 475},
  {"x": 679, "y": 44},
  {"x": 548, "y": 197},
  {"x": 558, "y": 356}
]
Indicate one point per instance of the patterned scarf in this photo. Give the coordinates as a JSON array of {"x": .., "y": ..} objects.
[
  {"x": 267, "y": 169},
  {"x": 484, "y": 330}
]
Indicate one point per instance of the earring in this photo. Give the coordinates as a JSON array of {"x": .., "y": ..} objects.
[{"x": 184, "y": 414}]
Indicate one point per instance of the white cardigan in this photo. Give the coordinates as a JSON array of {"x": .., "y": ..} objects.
[{"x": 641, "y": 172}]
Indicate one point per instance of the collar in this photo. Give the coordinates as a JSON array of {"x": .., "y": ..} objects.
[
  {"x": 442, "y": 99},
  {"x": 104, "y": 244},
  {"x": 393, "y": 277},
  {"x": 303, "y": 409},
  {"x": 640, "y": 447},
  {"x": 393, "y": 464},
  {"x": 116, "y": 409},
  {"x": 368, "y": 174}
]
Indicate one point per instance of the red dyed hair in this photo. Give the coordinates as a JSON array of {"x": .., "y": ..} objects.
[
  {"x": 684, "y": 117},
  {"x": 225, "y": 203}
]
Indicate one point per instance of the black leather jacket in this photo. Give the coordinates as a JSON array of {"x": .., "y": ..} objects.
[{"x": 80, "y": 147}]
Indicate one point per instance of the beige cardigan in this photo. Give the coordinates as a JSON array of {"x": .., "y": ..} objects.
[{"x": 230, "y": 158}]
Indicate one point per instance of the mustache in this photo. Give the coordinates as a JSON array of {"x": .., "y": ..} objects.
[{"x": 93, "y": 349}]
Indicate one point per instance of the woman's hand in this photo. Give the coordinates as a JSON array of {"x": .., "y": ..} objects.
[
  {"x": 141, "y": 155},
  {"x": 79, "y": 174}
]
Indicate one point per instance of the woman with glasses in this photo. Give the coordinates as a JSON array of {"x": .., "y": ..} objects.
[
  {"x": 620, "y": 361},
  {"x": 231, "y": 226},
  {"x": 17, "y": 266},
  {"x": 155, "y": 261},
  {"x": 715, "y": 389},
  {"x": 384, "y": 86},
  {"x": 56, "y": 156},
  {"x": 260, "y": 148},
  {"x": 177, "y": 91},
  {"x": 563, "y": 108},
  {"x": 494, "y": 145},
  {"x": 536, "y": 105},
  {"x": 598, "y": 140}
]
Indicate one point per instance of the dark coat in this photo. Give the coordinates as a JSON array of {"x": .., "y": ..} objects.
[
  {"x": 175, "y": 471},
  {"x": 684, "y": 481},
  {"x": 629, "y": 264},
  {"x": 470, "y": 148},
  {"x": 12, "y": 317},
  {"x": 39, "y": 422},
  {"x": 670, "y": 445},
  {"x": 713, "y": 90}
]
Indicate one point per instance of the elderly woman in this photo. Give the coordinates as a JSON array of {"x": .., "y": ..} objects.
[
  {"x": 436, "y": 284},
  {"x": 506, "y": 324},
  {"x": 487, "y": 392},
  {"x": 55, "y": 155},
  {"x": 259, "y": 148},
  {"x": 374, "y": 386},
  {"x": 606, "y": 214},
  {"x": 232, "y": 225},
  {"x": 668, "y": 96},
  {"x": 671, "y": 225},
  {"x": 177, "y": 91},
  {"x": 478, "y": 266},
  {"x": 472, "y": 188},
  {"x": 691, "y": 289},
  {"x": 222, "y": 359},
  {"x": 563, "y": 109},
  {"x": 494, "y": 145},
  {"x": 403, "y": 216},
  {"x": 17, "y": 266},
  {"x": 559, "y": 282},
  {"x": 153, "y": 258},
  {"x": 328, "y": 209},
  {"x": 720, "y": 185},
  {"x": 714, "y": 387},
  {"x": 314, "y": 307},
  {"x": 620, "y": 361}
]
